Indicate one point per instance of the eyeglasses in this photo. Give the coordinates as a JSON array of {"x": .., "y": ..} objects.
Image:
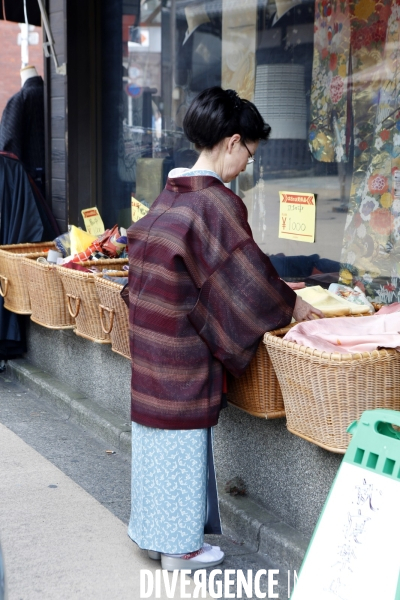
[{"x": 251, "y": 159}]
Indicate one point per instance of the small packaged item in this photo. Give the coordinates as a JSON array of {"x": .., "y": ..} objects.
[{"x": 355, "y": 295}]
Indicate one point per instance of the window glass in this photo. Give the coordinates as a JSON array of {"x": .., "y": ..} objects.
[{"x": 323, "y": 74}]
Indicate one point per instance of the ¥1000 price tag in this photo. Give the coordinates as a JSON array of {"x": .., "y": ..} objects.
[{"x": 297, "y": 216}]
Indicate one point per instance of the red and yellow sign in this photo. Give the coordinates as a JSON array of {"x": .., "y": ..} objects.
[{"x": 297, "y": 216}]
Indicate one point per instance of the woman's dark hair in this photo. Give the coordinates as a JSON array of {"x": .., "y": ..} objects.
[{"x": 216, "y": 114}]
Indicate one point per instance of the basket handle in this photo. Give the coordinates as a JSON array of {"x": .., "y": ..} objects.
[
  {"x": 77, "y": 301},
  {"x": 2, "y": 278},
  {"x": 111, "y": 311}
]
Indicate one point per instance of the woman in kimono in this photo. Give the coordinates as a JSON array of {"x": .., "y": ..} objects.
[{"x": 201, "y": 296}]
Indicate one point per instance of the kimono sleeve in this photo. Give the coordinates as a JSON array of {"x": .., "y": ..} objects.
[{"x": 242, "y": 299}]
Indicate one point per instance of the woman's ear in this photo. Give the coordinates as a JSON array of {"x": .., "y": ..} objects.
[{"x": 232, "y": 141}]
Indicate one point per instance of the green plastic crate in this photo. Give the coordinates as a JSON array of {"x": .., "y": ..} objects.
[{"x": 353, "y": 553}]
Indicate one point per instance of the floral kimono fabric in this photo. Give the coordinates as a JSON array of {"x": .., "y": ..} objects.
[{"x": 355, "y": 98}]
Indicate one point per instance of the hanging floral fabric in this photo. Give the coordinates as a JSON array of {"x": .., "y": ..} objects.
[
  {"x": 355, "y": 99},
  {"x": 330, "y": 78},
  {"x": 371, "y": 245}
]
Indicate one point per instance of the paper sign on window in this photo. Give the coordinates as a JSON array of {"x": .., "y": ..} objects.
[
  {"x": 93, "y": 222},
  {"x": 139, "y": 210},
  {"x": 297, "y": 216}
]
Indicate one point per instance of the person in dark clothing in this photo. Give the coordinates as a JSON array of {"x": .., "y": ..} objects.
[
  {"x": 22, "y": 125},
  {"x": 24, "y": 217}
]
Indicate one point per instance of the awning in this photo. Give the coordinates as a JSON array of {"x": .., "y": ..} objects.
[{"x": 13, "y": 10}]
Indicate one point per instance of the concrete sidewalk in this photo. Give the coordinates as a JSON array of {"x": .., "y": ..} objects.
[
  {"x": 58, "y": 541},
  {"x": 254, "y": 537},
  {"x": 260, "y": 529}
]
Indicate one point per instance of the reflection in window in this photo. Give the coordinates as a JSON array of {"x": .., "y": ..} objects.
[{"x": 323, "y": 75}]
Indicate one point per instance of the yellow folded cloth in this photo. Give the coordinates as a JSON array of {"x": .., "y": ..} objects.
[
  {"x": 329, "y": 303},
  {"x": 80, "y": 240}
]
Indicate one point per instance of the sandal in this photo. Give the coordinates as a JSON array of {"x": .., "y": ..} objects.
[{"x": 207, "y": 556}]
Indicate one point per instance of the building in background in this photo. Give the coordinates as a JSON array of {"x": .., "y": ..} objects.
[{"x": 10, "y": 59}]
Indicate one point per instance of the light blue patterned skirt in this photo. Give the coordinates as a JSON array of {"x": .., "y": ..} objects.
[{"x": 171, "y": 483}]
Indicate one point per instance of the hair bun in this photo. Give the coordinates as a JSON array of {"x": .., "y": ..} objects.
[{"x": 234, "y": 98}]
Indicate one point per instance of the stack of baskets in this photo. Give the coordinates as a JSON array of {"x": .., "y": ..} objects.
[
  {"x": 47, "y": 296},
  {"x": 13, "y": 285},
  {"x": 323, "y": 393},
  {"x": 83, "y": 300},
  {"x": 114, "y": 314}
]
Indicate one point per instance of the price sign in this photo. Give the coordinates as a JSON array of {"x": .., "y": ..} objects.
[
  {"x": 297, "y": 216},
  {"x": 139, "y": 210},
  {"x": 93, "y": 222}
]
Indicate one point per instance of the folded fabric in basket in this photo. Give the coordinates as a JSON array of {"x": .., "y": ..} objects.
[
  {"x": 80, "y": 239},
  {"x": 355, "y": 295},
  {"x": 99, "y": 246},
  {"x": 63, "y": 244},
  {"x": 78, "y": 267},
  {"x": 389, "y": 309},
  {"x": 296, "y": 285},
  {"x": 348, "y": 334},
  {"x": 110, "y": 275},
  {"x": 330, "y": 304}
]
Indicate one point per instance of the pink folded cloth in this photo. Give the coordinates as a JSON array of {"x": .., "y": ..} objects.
[
  {"x": 296, "y": 285},
  {"x": 389, "y": 309},
  {"x": 348, "y": 334}
]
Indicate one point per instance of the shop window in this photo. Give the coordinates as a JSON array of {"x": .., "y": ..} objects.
[{"x": 323, "y": 75}]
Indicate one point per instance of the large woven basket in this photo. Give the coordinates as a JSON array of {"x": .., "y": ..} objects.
[
  {"x": 114, "y": 314},
  {"x": 257, "y": 391},
  {"x": 82, "y": 298},
  {"x": 323, "y": 393},
  {"x": 13, "y": 285},
  {"x": 47, "y": 295}
]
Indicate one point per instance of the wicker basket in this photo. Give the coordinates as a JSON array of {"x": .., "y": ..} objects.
[
  {"x": 47, "y": 295},
  {"x": 257, "y": 391},
  {"x": 323, "y": 393},
  {"x": 114, "y": 313},
  {"x": 13, "y": 285},
  {"x": 82, "y": 299}
]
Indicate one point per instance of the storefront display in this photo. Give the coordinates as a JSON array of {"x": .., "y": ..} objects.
[
  {"x": 371, "y": 242},
  {"x": 323, "y": 74}
]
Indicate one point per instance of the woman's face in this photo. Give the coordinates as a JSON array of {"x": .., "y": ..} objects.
[{"x": 236, "y": 157}]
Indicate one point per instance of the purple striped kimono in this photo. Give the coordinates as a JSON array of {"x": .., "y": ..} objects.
[{"x": 201, "y": 295}]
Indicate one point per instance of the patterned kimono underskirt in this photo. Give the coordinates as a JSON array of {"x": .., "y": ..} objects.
[{"x": 174, "y": 494}]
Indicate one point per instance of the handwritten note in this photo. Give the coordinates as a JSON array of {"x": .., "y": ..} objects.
[
  {"x": 297, "y": 216},
  {"x": 93, "y": 222},
  {"x": 139, "y": 210},
  {"x": 351, "y": 556}
]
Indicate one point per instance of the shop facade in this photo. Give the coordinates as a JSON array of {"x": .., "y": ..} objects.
[{"x": 325, "y": 76}]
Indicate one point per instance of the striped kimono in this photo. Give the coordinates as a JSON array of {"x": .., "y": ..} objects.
[{"x": 201, "y": 295}]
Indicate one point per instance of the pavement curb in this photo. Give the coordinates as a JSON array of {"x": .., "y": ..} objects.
[
  {"x": 248, "y": 521},
  {"x": 77, "y": 405}
]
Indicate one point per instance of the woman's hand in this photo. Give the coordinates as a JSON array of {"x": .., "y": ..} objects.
[{"x": 305, "y": 312}]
